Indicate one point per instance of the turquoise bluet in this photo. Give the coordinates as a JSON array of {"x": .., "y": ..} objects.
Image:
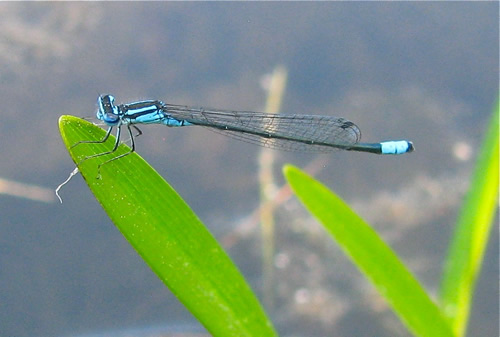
[{"x": 302, "y": 133}]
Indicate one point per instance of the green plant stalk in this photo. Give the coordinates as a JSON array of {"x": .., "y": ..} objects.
[
  {"x": 371, "y": 255},
  {"x": 167, "y": 235},
  {"x": 266, "y": 182},
  {"x": 471, "y": 237}
]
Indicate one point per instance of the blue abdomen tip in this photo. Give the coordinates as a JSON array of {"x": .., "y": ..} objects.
[{"x": 396, "y": 147}]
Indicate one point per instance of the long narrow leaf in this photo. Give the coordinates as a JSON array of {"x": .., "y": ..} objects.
[
  {"x": 168, "y": 235},
  {"x": 371, "y": 255},
  {"x": 472, "y": 233}
]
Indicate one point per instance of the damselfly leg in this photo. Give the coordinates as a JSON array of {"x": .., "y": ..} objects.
[{"x": 115, "y": 146}]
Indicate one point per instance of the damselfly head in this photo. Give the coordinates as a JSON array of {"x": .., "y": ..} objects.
[{"x": 107, "y": 111}]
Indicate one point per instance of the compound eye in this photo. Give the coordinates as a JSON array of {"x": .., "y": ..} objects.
[{"x": 110, "y": 118}]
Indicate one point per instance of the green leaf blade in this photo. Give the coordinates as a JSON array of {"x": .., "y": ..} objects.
[
  {"x": 371, "y": 255},
  {"x": 168, "y": 235},
  {"x": 473, "y": 229}
]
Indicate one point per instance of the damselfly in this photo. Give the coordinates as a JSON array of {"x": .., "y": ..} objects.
[{"x": 303, "y": 133}]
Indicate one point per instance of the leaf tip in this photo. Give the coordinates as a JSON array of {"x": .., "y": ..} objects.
[{"x": 289, "y": 170}]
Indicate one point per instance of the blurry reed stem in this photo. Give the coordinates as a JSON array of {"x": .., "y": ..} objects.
[{"x": 268, "y": 188}]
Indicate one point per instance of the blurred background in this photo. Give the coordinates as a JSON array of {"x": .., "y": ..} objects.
[{"x": 427, "y": 72}]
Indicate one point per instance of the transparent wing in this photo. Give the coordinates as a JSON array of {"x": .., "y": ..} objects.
[{"x": 304, "y": 133}]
